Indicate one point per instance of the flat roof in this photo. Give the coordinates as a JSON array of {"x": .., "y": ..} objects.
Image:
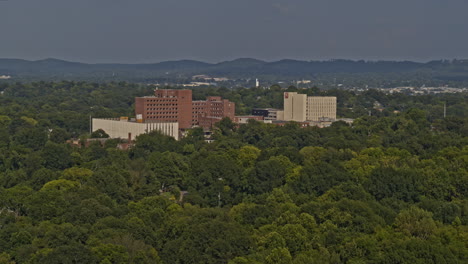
[{"x": 133, "y": 120}]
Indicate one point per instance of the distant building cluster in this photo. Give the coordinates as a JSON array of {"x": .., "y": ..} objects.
[
  {"x": 173, "y": 111},
  {"x": 423, "y": 90},
  {"x": 197, "y": 84},
  {"x": 5, "y": 77},
  {"x": 208, "y": 78},
  {"x": 204, "y": 80},
  {"x": 304, "y": 82}
]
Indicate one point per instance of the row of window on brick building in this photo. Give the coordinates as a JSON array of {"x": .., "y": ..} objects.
[
  {"x": 161, "y": 104},
  {"x": 165, "y": 100}
]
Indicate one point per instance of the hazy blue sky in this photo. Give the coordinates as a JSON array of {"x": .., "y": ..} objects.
[{"x": 216, "y": 30}]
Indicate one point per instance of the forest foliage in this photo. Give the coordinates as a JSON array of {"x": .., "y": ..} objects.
[{"x": 390, "y": 188}]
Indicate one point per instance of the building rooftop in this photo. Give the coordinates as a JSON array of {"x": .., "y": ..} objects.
[
  {"x": 134, "y": 120},
  {"x": 270, "y": 109}
]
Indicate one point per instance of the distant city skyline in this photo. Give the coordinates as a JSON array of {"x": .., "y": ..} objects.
[{"x": 121, "y": 31}]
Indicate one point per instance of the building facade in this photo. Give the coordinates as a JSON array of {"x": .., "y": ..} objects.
[
  {"x": 268, "y": 113},
  {"x": 300, "y": 107},
  {"x": 122, "y": 128},
  {"x": 212, "y": 110},
  {"x": 295, "y": 107},
  {"x": 245, "y": 119},
  {"x": 321, "y": 108},
  {"x": 166, "y": 106},
  {"x": 177, "y": 106}
]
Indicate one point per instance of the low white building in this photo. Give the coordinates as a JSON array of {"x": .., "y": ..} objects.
[{"x": 125, "y": 129}]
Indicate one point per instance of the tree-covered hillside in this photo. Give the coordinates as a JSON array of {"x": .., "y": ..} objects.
[
  {"x": 347, "y": 72},
  {"x": 390, "y": 188}
]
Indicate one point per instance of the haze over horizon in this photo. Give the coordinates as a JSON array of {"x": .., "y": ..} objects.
[{"x": 144, "y": 31}]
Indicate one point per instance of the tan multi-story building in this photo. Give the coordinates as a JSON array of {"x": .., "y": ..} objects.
[
  {"x": 295, "y": 106},
  {"x": 300, "y": 107},
  {"x": 321, "y": 108}
]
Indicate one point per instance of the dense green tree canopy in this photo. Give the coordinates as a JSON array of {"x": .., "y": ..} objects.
[{"x": 389, "y": 188}]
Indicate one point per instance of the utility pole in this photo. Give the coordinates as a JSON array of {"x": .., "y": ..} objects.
[
  {"x": 445, "y": 110},
  {"x": 219, "y": 193}
]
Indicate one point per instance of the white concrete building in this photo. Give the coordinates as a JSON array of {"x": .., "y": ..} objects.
[
  {"x": 295, "y": 106},
  {"x": 122, "y": 128},
  {"x": 321, "y": 108},
  {"x": 300, "y": 107}
]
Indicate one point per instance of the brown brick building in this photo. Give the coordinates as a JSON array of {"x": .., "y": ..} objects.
[
  {"x": 167, "y": 106},
  {"x": 177, "y": 106}
]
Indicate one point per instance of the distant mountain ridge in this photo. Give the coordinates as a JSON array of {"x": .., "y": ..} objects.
[{"x": 238, "y": 68}]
